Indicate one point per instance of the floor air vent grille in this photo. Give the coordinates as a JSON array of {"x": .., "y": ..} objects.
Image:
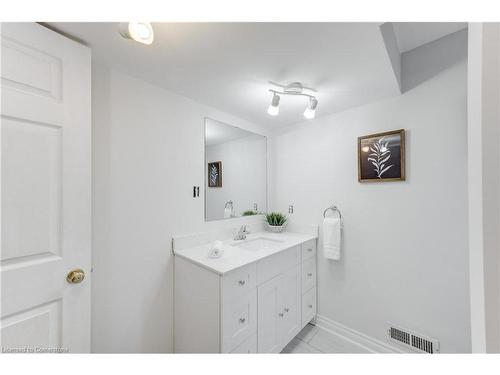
[{"x": 413, "y": 340}]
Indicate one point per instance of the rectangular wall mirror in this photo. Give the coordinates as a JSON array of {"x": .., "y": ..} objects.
[{"x": 235, "y": 172}]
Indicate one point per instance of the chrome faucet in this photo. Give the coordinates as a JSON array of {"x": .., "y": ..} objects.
[{"x": 242, "y": 233}]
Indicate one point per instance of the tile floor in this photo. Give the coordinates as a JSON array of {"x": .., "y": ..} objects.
[{"x": 316, "y": 340}]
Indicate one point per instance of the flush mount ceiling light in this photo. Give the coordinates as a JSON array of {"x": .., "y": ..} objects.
[
  {"x": 141, "y": 32},
  {"x": 294, "y": 88}
]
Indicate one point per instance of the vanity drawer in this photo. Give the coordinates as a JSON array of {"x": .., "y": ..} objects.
[
  {"x": 238, "y": 282},
  {"x": 239, "y": 320},
  {"x": 248, "y": 346},
  {"x": 273, "y": 265},
  {"x": 308, "y": 249},
  {"x": 308, "y": 274},
  {"x": 308, "y": 306}
]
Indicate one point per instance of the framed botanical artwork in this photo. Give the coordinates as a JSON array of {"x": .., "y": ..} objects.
[
  {"x": 215, "y": 174},
  {"x": 381, "y": 157}
]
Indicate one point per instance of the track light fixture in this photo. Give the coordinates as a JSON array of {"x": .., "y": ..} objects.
[{"x": 294, "y": 88}]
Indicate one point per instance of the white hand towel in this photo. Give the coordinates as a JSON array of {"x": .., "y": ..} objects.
[
  {"x": 228, "y": 212},
  {"x": 331, "y": 238}
]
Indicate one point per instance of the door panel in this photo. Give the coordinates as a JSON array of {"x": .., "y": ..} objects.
[
  {"x": 45, "y": 183},
  {"x": 29, "y": 69},
  {"x": 268, "y": 315},
  {"x": 38, "y": 327},
  {"x": 31, "y": 174}
]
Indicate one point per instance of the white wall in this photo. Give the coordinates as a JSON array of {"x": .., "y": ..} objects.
[
  {"x": 244, "y": 170},
  {"x": 147, "y": 155},
  {"x": 405, "y": 256}
]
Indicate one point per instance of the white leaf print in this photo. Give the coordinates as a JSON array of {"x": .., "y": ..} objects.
[
  {"x": 385, "y": 159},
  {"x": 214, "y": 174},
  {"x": 386, "y": 169},
  {"x": 381, "y": 153}
]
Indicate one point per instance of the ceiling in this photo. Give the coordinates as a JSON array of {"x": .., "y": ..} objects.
[
  {"x": 229, "y": 65},
  {"x": 410, "y": 35}
]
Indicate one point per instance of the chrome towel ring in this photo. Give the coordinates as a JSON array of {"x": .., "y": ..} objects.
[{"x": 334, "y": 209}]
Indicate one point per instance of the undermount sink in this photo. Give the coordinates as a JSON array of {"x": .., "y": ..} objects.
[{"x": 259, "y": 243}]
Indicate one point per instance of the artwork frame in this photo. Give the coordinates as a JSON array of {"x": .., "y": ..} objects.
[
  {"x": 375, "y": 152},
  {"x": 214, "y": 171}
]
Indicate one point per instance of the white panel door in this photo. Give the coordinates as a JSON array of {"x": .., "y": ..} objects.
[
  {"x": 45, "y": 189},
  {"x": 268, "y": 315}
]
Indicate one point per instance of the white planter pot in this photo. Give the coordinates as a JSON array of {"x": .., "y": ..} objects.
[{"x": 276, "y": 229}]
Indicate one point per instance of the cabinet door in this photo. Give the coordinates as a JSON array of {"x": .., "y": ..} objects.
[
  {"x": 269, "y": 339},
  {"x": 239, "y": 320},
  {"x": 289, "y": 293}
]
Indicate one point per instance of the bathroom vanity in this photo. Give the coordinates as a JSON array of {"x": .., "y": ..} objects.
[
  {"x": 262, "y": 291},
  {"x": 253, "y": 299}
]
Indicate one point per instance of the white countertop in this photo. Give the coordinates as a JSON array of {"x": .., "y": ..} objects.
[{"x": 235, "y": 257}]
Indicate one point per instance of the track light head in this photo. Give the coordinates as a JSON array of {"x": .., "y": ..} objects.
[
  {"x": 274, "y": 107},
  {"x": 310, "y": 111}
]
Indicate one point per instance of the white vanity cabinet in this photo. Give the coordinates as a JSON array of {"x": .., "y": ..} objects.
[{"x": 256, "y": 308}]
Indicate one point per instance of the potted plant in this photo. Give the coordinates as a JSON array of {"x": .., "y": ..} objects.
[{"x": 276, "y": 222}]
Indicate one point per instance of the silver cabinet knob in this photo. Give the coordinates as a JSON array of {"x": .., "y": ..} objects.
[
  {"x": 280, "y": 315},
  {"x": 310, "y": 306},
  {"x": 287, "y": 309},
  {"x": 309, "y": 250},
  {"x": 242, "y": 320},
  {"x": 241, "y": 282},
  {"x": 309, "y": 274}
]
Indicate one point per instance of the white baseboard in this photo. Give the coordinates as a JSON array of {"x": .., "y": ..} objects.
[{"x": 365, "y": 342}]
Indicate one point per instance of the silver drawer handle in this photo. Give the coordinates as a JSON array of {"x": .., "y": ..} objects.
[
  {"x": 242, "y": 320},
  {"x": 310, "y": 306},
  {"x": 309, "y": 250},
  {"x": 241, "y": 282},
  {"x": 309, "y": 274},
  {"x": 287, "y": 309},
  {"x": 281, "y": 315}
]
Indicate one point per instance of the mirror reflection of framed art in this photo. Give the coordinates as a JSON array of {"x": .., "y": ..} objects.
[{"x": 215, "y": 174}]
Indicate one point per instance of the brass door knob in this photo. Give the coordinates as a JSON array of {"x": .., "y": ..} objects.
[{"x": 75, "y": 276}]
